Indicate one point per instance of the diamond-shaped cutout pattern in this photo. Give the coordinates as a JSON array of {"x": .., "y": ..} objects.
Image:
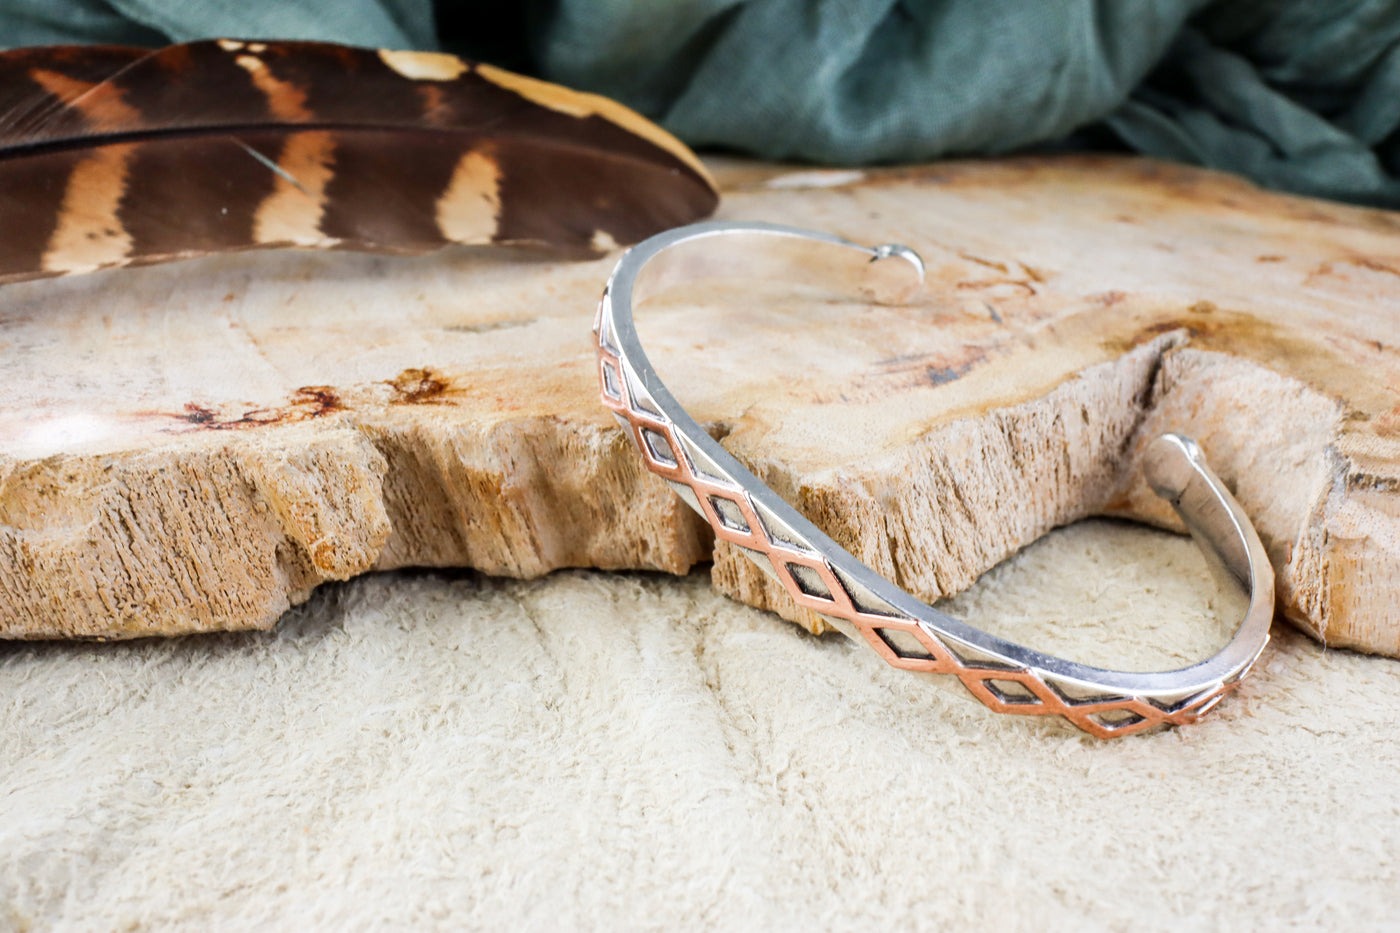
[
  {"x": 809, "y": 581},
  {"x": 1010, "y": 691},
  {"x": 612, "y": 387},
  {"x": 813, "y": 583},
  {"x": 907, "y": 646},
  {"x": 1117, "y": 718},
  {"x": 904, "y": 643},
  {"x": 659, "y": 447},
  {"x": 730, "y": 514}
]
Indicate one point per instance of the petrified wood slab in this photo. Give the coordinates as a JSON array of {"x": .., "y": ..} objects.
[{"x": 195, "y": 446}]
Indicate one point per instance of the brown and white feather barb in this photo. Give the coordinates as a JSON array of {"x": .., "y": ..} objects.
[{"x": 113, "y": 156}]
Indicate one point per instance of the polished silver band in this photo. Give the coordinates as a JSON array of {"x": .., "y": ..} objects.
[{"x": 822, "y": 576}]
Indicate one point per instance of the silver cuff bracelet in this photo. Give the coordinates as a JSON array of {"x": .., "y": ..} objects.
[{"x": 822, "y": 576}]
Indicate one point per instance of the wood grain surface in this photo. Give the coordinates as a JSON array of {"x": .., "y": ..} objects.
[{"x": 197, "y": 446}]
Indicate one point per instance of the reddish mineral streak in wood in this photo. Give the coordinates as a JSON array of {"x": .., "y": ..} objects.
[
  {"x": 419, "y": 386},
  {"x": 305, "y": 403}
]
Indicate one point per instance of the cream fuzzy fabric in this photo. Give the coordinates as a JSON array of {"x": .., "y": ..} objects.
[{"x": 435, "y": 751}]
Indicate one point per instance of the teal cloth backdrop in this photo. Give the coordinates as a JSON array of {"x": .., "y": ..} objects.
[{"x": 1301, "y": 95}]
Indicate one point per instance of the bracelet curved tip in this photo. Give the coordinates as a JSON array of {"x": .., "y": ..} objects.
[
  {"x": 895, "y": 289},
  {"x": 1170, "y": 463},
  {"x": 888, "y": 250}
]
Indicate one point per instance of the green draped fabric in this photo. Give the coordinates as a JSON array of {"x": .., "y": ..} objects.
[{"x": 1302, "y": 95}]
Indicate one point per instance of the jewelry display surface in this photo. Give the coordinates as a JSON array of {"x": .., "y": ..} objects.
[
  {"x": 197, "y": 446},
  {"x": 636, "y": 751}
]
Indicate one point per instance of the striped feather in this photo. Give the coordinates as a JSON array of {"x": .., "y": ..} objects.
[{"x": 113, "y": 156}]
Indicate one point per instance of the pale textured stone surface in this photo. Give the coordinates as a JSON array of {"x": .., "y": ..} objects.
[
  {"x": 636, "y": 752},
  {"x": 193, "y": 447}
]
